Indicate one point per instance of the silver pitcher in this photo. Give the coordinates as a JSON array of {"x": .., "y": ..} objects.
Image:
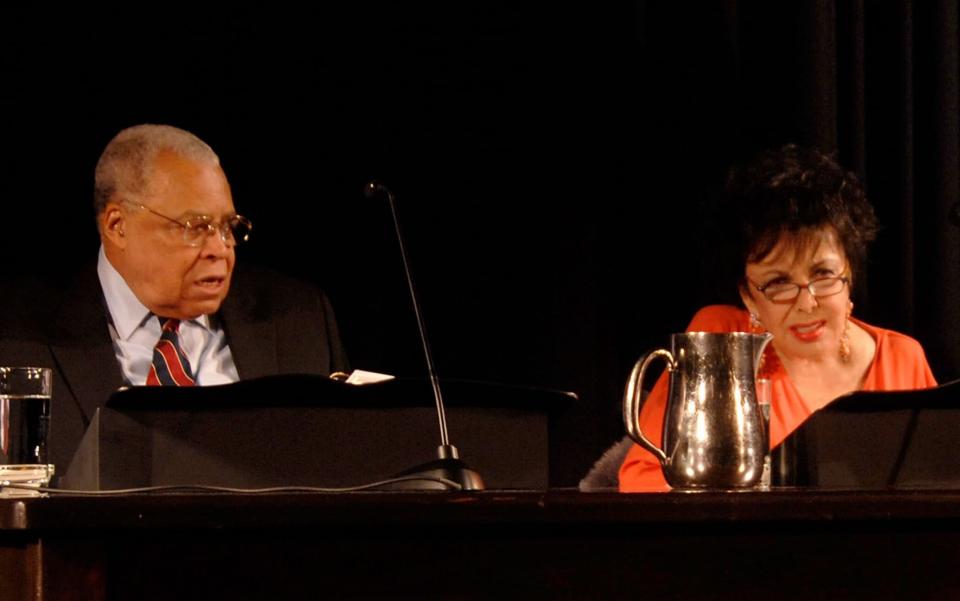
[{"x": 714, "y": 435}]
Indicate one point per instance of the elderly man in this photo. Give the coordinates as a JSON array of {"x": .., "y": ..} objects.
[{"x": 164, "y": 305}]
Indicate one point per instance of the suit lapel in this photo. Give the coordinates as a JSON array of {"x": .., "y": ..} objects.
[
  {"x": 81, "y": 345},
  {"x": 252, "y": 340}
]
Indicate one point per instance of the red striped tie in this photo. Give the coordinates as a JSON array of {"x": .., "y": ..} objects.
[{"x": 170, "y": 365}]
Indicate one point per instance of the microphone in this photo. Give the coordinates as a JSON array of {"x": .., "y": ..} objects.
[{"x": 448, "y": 464}]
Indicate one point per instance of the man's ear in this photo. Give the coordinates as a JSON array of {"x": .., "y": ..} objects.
[{"x": 112, "y": 225}]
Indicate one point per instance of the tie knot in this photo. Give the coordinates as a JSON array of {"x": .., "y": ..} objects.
[
  {"x": 169, "y": 324},
  {"x": 170, "y": 366}
]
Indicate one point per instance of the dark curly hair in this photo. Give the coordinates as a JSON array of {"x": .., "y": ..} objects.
[{"x": 795, "y": 192}]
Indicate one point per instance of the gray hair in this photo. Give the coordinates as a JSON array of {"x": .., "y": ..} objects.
[{"x": 126, "y": 163}]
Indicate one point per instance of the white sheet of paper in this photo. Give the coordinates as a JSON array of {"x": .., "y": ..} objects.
[{"x": 358, "y": 377}]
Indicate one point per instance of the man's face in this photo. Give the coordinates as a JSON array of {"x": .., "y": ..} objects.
[{"x": 170, "y": 277}]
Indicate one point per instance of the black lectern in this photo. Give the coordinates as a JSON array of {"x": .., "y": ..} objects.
[
  {"x": 877, "y": 440},
  {"x": 311, "y": 431}
]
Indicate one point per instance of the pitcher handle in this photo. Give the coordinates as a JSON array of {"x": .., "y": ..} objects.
[{"x": 633, "y": 403}]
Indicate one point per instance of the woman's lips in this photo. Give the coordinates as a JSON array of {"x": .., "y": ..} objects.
[{"x": 808, "y": 332}]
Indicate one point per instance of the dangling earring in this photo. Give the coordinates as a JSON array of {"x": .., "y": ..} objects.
[
  {"x": 845, "y": 337},
  {"x": 755, "y": 326}
]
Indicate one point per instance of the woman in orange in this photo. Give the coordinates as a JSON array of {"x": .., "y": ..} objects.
[{"x": 801, "y": 226}]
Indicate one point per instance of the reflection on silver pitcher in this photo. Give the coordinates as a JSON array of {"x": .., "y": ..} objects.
[{"x": 713, "y": 432}]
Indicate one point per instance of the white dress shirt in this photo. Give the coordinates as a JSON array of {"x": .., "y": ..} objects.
[{"x": 135, "y": 331}]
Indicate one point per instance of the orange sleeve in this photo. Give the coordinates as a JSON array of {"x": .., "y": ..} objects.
[
  {"x": 923, "y": 375},
  {"x": 640, "y": 471},
  {"x": 900, "y": 364}
]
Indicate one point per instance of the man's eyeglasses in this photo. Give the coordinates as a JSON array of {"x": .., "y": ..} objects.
[
  {"x": 232, "y": 230},
  {"x": 779, "y": 291}
]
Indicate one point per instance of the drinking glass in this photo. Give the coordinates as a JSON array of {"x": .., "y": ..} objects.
[{"x": 24, "y": 424}]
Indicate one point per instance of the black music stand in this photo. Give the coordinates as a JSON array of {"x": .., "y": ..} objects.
[
  {"x": 308, "y": 430},
  {"x": 877, "y": 440}
]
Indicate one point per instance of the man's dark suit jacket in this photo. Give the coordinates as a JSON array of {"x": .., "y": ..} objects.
[{"x": 273, "y": 324}]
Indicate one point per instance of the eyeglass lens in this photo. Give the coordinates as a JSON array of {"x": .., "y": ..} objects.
[
  {"x": 230, "y": 231},
  {"x": 819, "y": 287}
]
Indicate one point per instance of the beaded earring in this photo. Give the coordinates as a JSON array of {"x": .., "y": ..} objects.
[{"x": 845, "y": 337}]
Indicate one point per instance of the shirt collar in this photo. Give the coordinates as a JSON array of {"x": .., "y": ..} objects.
[{"x": 126, "y": 310}]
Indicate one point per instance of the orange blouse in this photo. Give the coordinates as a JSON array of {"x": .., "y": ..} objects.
[{"x": 899, "y": 364}]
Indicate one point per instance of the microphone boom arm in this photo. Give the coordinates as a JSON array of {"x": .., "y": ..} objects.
[
  {"x": 448, "y": 465},
  {"x": 431, "y": 367}
]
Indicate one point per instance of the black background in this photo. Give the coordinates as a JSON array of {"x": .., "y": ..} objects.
[{"x": 551, "y": 164}]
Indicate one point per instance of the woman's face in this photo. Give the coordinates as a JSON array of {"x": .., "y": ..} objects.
[{"x": 806, "y": 327}]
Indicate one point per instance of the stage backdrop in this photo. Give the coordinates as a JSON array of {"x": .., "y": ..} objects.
[{"x": 551, "y": 165}]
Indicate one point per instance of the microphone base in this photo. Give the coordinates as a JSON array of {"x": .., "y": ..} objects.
[{"x": 448, "y": 466}]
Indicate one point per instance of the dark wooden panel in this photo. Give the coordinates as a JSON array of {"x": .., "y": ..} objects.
[{"x": 550, "y": 545}]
